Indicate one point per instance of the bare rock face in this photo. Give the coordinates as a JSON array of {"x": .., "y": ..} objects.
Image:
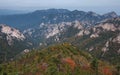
[
  {"x": 108, "y": 27},
  {"x": 26, "y": 51},
  {"x": 118, "y": 51},
  {"x": 117, "y": 39},
  {"x": 47, "y": 31},
  {"x": 94, "y": 36},
  {"x": 110, "y": 14},
  {"x": 55, "y": 29},
  {"x": 11, "y": 34},
  {"x": 81, "y": 33},
  {"x": 78, "y": 25}
]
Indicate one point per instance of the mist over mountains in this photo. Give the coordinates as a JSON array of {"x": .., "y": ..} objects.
[{"x": 12, "y": 12}]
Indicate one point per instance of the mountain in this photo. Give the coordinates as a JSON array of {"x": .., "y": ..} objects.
[
  {"x": 87, "y": 30},
  {"x": 60, "y": 36},
  {"x": 60, "y": 59},
  {"x": 12, "y": 42},
  {"x": 110, "y": 14},
  {"x": 101, "y": 40},
  {"x": 54, "y": 32},
  {"x": 11, "y": 33},
  {"x": 53, "y": 16}
]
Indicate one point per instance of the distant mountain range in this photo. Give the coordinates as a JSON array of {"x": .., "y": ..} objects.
[{"x": 53, "y": 16}]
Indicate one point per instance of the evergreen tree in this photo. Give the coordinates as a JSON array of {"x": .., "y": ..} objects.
[
  {"x": 94, "y": 65},
  {"x": 118, "y": 69}
]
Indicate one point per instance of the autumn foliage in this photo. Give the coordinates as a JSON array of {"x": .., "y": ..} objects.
[
  {"x": 70, "y": 62},
  {"x": 107, "y": 71}
]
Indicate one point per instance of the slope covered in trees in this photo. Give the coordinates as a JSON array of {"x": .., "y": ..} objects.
[{"x": 62, "y": 59}]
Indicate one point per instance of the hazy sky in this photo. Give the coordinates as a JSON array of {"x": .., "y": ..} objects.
[{"x": 100, "y": 6}]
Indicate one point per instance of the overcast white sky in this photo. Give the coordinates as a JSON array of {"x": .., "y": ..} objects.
[{"x": 100, "y": 6}]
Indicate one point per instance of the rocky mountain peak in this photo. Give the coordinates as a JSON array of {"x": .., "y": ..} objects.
[
  {"x": 92, "y": 13},
  {"x": 53, "y": 11},
  {"x": 110, "y": 14},
  {"x": 11, "y": 33}
]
